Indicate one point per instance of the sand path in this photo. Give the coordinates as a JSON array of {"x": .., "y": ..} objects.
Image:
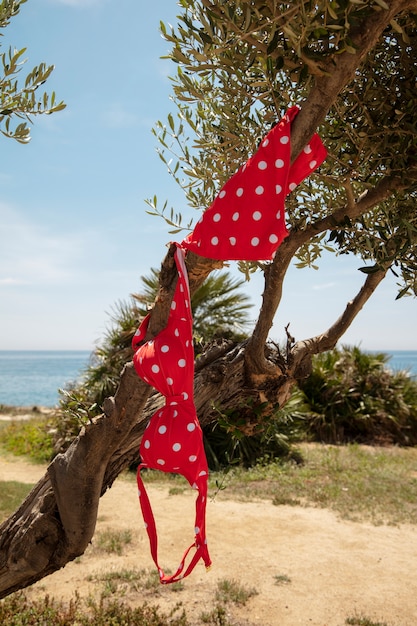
[{"x": 308, "y": 567}]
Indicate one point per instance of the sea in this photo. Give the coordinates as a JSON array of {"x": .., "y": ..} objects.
[{"x": 33, "y": 378}]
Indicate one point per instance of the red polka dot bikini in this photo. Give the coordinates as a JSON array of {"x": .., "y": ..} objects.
[
  {"x": 246, "y": 221},
  {"x": 173, "y": 441}
]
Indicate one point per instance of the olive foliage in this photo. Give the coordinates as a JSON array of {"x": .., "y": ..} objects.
[
  {"x": 240, "y": 64},
  {"x": 19, "y": 99}
]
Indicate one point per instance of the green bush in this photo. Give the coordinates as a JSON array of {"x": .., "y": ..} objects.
[
  {"x": 354, "y": 397},
  {"x": 230, "y": 590},
  {"x": 273, "y": 437},
  {"x": 12, "y": 493},
  {"x": 33, "y": 438}
]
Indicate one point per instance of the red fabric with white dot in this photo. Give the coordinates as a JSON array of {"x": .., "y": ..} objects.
[
  {"x": 246, "y": 221},
  {"x": 173, "y": 440}
]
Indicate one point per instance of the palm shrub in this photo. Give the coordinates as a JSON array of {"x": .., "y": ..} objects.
[
  {"x": 354, "y": 397},
  {"x": 220, "y": 310},
  {"x": 227, "y": 441}
]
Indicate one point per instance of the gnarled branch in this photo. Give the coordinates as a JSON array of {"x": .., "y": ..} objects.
[{"x": 303, "y": 350}]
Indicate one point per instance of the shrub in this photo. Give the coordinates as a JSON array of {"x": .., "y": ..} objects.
[
  {"x": 33, "y": 438},
  {"x": 113, "y": 541},
  {"x": 12, "y": 493},
  {"x": 230, "y": 590},
  {"x": 354, "y": 397}
]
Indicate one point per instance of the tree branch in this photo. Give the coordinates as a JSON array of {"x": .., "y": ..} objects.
[
  {"x": 257, "y": 364},
  {"x": 272, "y": 294},
  {"x": 383, "y": 189},
  {"x": 327, "y": 340}
]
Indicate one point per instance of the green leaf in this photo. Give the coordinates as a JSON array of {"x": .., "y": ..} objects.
[
  {"x": 171, "y": 122},
  {"x": 332, "y": 13},
  {"x": 369, "y": 269},
  {"x": 402, "y": 293}
]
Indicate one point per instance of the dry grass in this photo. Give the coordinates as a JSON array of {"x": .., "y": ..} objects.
[{"x": 360, "y": 483}]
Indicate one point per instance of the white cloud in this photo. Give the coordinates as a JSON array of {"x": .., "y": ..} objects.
[
  {"x": 9, "y": 281},
  {"x": 117, "y": 117},
  {"x": 31, "y": 254}
]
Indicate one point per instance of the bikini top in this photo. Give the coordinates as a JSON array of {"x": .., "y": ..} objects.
[
  {"x": 173, "y": 440},
  {"x": 246, "y": 221}
]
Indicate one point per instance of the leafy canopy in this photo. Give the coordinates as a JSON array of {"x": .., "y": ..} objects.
[{"x": 240, "y": 64}]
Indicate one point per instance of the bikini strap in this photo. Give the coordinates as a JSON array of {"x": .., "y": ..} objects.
[{"x": 201, "y": 549}]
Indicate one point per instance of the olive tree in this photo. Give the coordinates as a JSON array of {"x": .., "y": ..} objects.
[{"x": 351, "y": 67}]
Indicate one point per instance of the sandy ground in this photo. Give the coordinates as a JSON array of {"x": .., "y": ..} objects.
[{"x": 308, "y": 567}]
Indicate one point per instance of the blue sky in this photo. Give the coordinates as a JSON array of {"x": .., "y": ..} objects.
[{"x": 75, "y": 237}]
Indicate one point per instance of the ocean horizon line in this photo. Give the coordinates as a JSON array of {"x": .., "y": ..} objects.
[{"x": 21, "y": 350}]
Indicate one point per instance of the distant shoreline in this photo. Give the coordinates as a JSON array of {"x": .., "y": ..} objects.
[
  {"x": 55, "y": 351},
  {"x": 21, "y": 413}
]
